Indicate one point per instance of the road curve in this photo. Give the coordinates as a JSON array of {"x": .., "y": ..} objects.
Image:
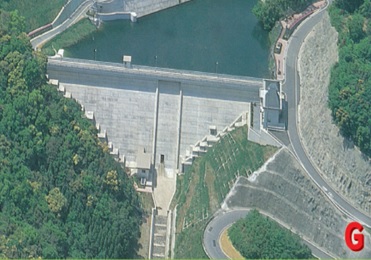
[
  {"x": 291, "y": 87},
  {"x": 224, "y": 219},
  {"x": 43, "y": 38},
  {"x": 214, "y": 230}
]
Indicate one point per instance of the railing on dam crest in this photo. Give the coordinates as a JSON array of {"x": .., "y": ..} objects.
[{"x": 154, "y": 71}]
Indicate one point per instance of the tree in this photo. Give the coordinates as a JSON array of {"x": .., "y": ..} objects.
[
  {"x": 269, "y": 12},
  {"x": 349, "y": 5},
  {"x": 17, "y": 23},
  {"x": 350, "y": 85},
  {"x": 355, "y": 26},
  {"x": 56, "y": 200},
  {"x": 257, "y": 237},
  {"x": 365, "y": 9},
  {"x": 61, "y": 194}
]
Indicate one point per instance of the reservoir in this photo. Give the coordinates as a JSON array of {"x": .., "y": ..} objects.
[{"x": 221, "y": 36}]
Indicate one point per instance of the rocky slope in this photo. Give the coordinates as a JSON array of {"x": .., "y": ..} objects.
[
  {"x": 340, "y": 162},
  {"x": 282, "y": 189}
]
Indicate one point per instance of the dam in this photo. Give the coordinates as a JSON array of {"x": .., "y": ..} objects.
[
  {"x": 161, "y": 111},
  {"x": 157, "y": 120}
]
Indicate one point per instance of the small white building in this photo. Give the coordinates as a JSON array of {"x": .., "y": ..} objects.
[{"x": 142, "y": 169}]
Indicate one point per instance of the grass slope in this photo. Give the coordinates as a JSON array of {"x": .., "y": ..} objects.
[
  {"x": 201, "y": 190},
  {"x": 75, "y": 33}
]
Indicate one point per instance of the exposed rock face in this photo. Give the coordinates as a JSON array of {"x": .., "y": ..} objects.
[
  {"x": 342, "y": 164},
  {"x": 283, "y": 190}
]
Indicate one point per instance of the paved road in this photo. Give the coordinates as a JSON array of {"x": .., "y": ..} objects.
[
  {"x": 43, "y": 38},
  {"x": 244, "y": 89},
  {"x": 222, "y": 220},
  {"x": 291, "y": 88}
]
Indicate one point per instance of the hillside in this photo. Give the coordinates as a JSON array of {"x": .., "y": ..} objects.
[
  {"x": 36, "y": 12},
  {"x": 271, "y": 11},
  {"x": 350, "y": 85},
  {"x": 61, "y": 194},
  {"x": 202, "y": 189}
]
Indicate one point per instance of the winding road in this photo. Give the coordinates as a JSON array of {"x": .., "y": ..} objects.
[
  {"x": 222, "y": 220},
  {"x": 291, "y": 87},
  {"x": 43, "y": 38}
]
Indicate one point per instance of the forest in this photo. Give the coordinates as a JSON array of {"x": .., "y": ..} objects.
[
  {"x": 350, "y": 85},
  {"x": 61, "y": 194},
  {"x": 269, "y": 12},
  {"x": 258, "y": 237}
]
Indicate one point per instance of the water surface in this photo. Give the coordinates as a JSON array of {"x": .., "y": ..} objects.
[{"x": 220, "y": 36}]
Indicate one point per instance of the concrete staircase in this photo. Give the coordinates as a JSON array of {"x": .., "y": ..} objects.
[{"x": 159, "y": 237}]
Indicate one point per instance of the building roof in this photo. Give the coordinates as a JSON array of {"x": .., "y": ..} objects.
[
  {"x": 272, "y": 105},
  {"x": 143, "y": 159},
  {"x": 272, "y": 98}
]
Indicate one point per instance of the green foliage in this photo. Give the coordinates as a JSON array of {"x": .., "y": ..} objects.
[
  {"x": 189, "y": 242},
  {"x": 355, "y": 26},
  {"x": 349, "y": 5},
  {"x": 61, "y": 195},
  {"x": 36, "y": 12},
  {"x": 270, "y": 11},
  {"x": 201, "y": 190},
  {"x": 257, "y": 237},
  {"x": 365, "y": 8},
  {"x": 69, "y": 37},
  {"x": 350, "y": 87}
]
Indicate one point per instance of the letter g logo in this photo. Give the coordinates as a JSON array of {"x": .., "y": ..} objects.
[{"x": 354, "y": 241}]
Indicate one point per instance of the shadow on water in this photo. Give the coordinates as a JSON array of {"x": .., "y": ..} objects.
[{"x": 261, "y": 36}]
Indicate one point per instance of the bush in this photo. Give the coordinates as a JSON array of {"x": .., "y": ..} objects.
[{"x": 257, "y": 237}]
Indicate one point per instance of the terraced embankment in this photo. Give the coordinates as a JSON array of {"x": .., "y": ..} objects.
[{"x": 283, "y": 190}]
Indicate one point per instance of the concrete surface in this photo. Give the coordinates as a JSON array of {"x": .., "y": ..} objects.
[
  {"x": 145, "y": 7},
  {"x": 124, "y": 104},
  {"x": 282, "y": 189}
]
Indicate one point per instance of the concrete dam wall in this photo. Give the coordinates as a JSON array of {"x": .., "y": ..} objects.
[
  {"x": 162, "y": 110},
  {"x": 141, "y": 7}
]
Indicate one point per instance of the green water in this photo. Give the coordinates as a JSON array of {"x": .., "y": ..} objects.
[{"x": 220, "y": 36}]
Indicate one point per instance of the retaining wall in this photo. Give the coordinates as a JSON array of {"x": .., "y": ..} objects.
[
  {"x": 282, "y": 189},
  {"x": 117, "y": 8},
  {"x": 114, "y": 16}
]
